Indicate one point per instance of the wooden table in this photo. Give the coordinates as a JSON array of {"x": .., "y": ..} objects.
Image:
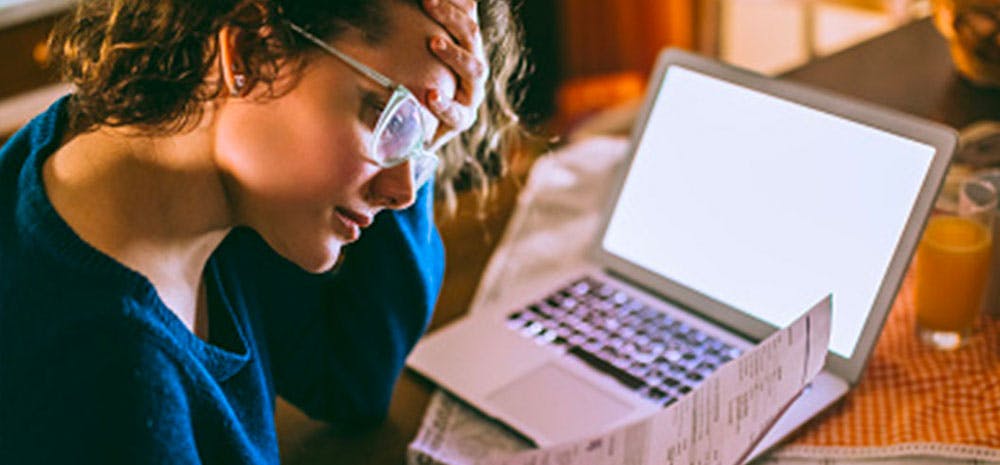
[{"x": 908, "y": 69}]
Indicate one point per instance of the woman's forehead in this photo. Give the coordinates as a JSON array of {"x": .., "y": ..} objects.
[{"x": 402, "y": 53}]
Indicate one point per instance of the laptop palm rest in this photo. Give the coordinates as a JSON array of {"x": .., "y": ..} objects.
[{"x": 553, "y": 401}]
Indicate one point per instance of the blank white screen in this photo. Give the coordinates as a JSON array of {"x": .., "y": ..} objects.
[{"x": 766, "y": 205}]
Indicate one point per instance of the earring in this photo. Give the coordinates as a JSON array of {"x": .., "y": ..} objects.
[{"x": 239, "y": 81}]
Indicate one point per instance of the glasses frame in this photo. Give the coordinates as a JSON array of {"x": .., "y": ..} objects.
[{"x": 424, "y": 162}]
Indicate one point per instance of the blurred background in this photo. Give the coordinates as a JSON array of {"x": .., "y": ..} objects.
[
  {"x": 588, "y": 55},
  {"x": 593, "y": 54}
]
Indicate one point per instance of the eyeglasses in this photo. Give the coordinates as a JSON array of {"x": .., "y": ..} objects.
[{"x": 400, "y": 131}]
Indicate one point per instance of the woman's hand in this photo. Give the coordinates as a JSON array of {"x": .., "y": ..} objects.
[{"x": 464, "y": 53}]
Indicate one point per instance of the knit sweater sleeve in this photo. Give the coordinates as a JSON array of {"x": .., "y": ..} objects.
[
  {"x": 338, "y": 341},
  {"x": 108, "y": 393}
]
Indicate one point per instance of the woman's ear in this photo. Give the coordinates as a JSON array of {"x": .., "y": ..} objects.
[{"x": 231, "y": 64}]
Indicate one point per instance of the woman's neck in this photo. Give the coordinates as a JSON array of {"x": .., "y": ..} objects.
[{"x": 155, "y": 204}]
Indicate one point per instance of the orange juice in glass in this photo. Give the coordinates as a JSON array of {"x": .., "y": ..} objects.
[{"x": 952, "y": 264}]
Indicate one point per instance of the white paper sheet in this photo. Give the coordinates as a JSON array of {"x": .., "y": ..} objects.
[
  {"x": 719, "y": 422},
  {"x": 454, "y": 433}
]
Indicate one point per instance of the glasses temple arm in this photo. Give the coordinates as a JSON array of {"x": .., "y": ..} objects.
[{"x": 360, "y": 67}]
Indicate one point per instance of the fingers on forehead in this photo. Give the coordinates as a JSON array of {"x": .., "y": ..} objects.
[
  {"x": 468, "y": 6},
  {"x": 460, "y": 24}
]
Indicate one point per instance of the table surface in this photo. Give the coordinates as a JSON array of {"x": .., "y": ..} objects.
[{"x": 908, "y": 69}]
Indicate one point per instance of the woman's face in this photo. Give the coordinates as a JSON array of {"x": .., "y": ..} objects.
[{"x": 295, "y": 167}]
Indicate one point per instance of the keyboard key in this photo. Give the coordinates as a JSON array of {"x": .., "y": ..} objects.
[
  {"x": 704, "y": 372},
  {"x": 655, "y": 376},
  {"x": 532, "y": 329},
  {"x": 546, "y": 337},
  {"x": 581, "y": 288},
  {"x": 617, "y": 342},
  {"x": 577, "y": 339},
  {"x": 670, "y": 381},
  {"x": 540, "y": 311},
  {"x": 638, "y": 369},
  {"x": 704, "y": 365},
  {"x": 671, "y": 355},
  {"x": 648, "y": 314},
  {"x": 605, "y": 291},
  {"x": 656, "y": 348},
  {"x": 564, "y": 331},
  {"x": 633, "y": 305},
  {"x": 515, "y": 321},
  {"x": 655, "y": 394},
  {"x": 606, "y": 368},
  {"x": 643, "y": 356},
  {"x": 681, "y": 330},
  {"x": 697, "y": 337},
  {"x": 606, "y": 353}
]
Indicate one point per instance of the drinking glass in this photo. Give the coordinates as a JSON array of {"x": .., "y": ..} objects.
[{"x": 952, "y": 263}]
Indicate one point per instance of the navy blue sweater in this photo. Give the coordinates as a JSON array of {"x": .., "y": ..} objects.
[{"x": 95, "y": 369}]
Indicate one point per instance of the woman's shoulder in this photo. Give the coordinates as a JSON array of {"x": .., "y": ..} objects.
[{"x": 24, "y": 207}]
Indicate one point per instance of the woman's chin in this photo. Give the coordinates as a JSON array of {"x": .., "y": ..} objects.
[{"x": 320, "y": 259}]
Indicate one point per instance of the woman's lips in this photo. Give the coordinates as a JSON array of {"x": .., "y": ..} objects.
[
  {"x": 358, "y": 218},
  {"x": 352, "y": 222}
]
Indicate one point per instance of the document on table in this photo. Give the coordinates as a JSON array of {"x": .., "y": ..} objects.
[{"x": 719, "y": 423}]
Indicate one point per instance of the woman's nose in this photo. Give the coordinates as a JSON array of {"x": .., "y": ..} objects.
[{"x": 394, "y": 187}]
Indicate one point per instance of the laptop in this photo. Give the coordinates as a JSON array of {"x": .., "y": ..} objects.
[{"x": 744, "y": 201}]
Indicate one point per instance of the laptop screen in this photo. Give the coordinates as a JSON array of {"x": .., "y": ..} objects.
[{"x": 765, "y": 205}]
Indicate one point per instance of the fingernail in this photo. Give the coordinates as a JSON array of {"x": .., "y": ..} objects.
[
  {"x": 434, "y": 97},
  {"x": 431, "y": 3},
  {"x": 437, "y": 43}
]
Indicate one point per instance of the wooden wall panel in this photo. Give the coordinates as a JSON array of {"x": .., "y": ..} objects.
[
  {"x": 23, "y": 50},
  {"x": 607, "y": 36}
]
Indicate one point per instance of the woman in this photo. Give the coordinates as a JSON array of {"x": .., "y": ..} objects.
[{"x": 171, "y": 226}]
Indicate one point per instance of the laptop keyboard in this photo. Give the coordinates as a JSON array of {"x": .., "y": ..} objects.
[{"x": 659, "y": 357}]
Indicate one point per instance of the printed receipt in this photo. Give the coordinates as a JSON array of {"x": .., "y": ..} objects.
[{"x": 719, "y": 423}]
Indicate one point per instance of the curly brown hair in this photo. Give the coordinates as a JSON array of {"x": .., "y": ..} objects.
[{"x": 147, "y": 64}]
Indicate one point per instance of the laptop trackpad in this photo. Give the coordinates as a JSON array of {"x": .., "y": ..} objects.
[{"x": 559, "y": 404}]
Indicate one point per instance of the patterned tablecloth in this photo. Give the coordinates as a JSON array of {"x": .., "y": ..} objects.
[{"x": 913, "y": 399}]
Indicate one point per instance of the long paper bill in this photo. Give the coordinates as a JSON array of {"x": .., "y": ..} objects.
[{"x": 718, "y": 423}]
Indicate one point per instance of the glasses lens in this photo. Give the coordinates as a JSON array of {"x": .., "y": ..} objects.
[
  {"x": 401, "y": 133},
  {"x": 423, "y": 168}
]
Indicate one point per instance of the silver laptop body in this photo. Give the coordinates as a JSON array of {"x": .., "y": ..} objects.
[{"x": 745, "y": 200}]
